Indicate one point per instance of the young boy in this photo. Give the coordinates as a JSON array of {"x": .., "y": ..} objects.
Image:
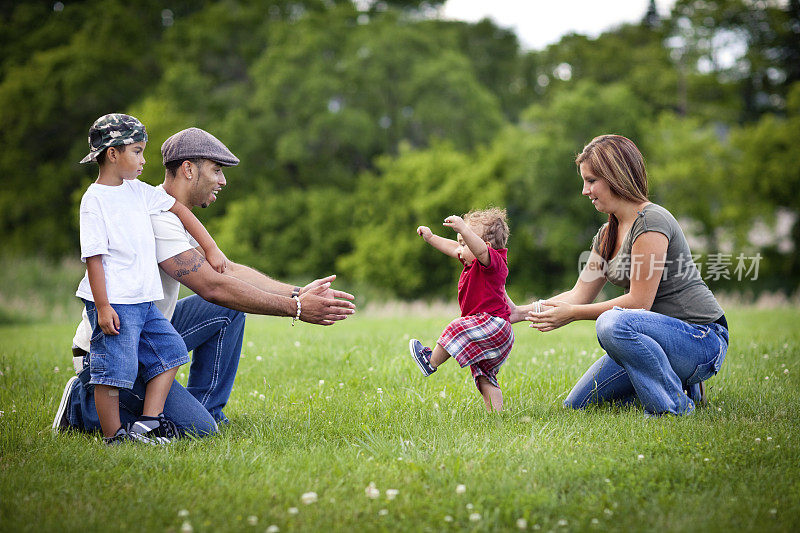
[
  {"x": 122, "y": 280},
  {"x": 482, "y": 337}
]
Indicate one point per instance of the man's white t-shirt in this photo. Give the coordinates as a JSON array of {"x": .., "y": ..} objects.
[
  {"x": 171, "y": 239},
  {"x": 115, "y": 223}
]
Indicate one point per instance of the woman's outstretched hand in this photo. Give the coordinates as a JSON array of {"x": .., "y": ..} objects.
[{"x": 552, "y": 315}]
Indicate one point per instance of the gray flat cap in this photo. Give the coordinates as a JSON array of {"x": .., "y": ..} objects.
[{"x": 194, "y": 143}]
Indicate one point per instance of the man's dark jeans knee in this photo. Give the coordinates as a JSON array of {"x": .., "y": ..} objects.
[{"x": 214, "y": 334}]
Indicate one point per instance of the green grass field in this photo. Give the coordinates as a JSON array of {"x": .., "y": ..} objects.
[{"x": 331, "y": 410}]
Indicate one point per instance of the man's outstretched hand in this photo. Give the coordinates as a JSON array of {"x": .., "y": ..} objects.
[{"x": 324, "y": 305}]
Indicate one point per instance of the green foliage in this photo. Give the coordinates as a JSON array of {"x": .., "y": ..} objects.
[{"x": 328, "y": 102}]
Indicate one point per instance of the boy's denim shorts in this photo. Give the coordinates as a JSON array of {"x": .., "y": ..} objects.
[{"x": 147, "y": 345}]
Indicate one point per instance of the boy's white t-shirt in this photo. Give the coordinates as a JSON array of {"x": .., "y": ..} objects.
[{"x": 115, "y": 223}]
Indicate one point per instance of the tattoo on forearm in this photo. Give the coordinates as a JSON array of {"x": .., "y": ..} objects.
[{"x": 188, "y": 262}]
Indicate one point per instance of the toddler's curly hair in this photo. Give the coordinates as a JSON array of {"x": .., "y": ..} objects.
[{"x": 494, "y": 223}]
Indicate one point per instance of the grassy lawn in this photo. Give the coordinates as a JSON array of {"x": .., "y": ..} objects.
[{"x": 331, "y": 410}]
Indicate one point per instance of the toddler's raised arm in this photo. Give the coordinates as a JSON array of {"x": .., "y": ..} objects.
[{"x": 446, "y": 246}]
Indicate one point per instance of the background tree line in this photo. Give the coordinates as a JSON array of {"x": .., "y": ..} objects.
[{"x": 356, "y": 124}]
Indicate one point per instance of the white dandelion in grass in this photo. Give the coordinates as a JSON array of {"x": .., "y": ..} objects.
[
  {"x": 252, "y": 520},
  {"x": 186, "y": 527},
  {"x": 640, "y": 457},
  {"x": 758, "y": 439},
  {"x": 308, "y": 498},
  {"x": 522, "y": 523},
  {"x": 273, "y": 529},
  {"x": 293, "y": 510},
  {"x": 183, "y": 513},
  {"x": 461, "y": 489},
  {"x": 475, "y": 517},
  {"x": 372, "y": 491},
  {"x": 391, "y": 494}
]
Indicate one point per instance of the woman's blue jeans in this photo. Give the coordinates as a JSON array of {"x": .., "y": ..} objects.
[
  {"x": 650, "y": 356},
  {"x": 214, "y": 334}
]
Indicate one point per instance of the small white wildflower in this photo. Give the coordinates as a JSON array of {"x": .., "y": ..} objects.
[
  {"x": 475, "y": 517},
  {"x": 470, "y": 506},
  {"x": 461, "y": 489},
  {"x": 773, "y": 511},
  {"x": 640, "y": 456},
  {"x": 372, "y": 491},
  {"x": 273, "y": 529},
  {"x": 259, "y": 358},
  {"x": 341, "y": 385},
  {"x": 379, "y": 391},
  {"x": 526, "y": 420},
  {"x": 436, "y": 405},
  {"x": 595, "y": 521},
  {"x": 608, "y": 512},
  {"x": 786, "y": 371},
  {"x": 758, "y": 439},
  {"x": 705, "y": 459},
  {"x": 293, "y": 510},
  {"x": 370, "y": 369},
  {"x": 442, "y": 394},
  {"x": 308, "y": 498},
  {"x": 537, "y": 527},
  {"x": 56, "y": 370},
  {"x": 261, "y": 396},
  {"x": 296, "y": 344},
  {"x": 321, "y": 382},
  {"x": 252, "y": 520},
  {"x": 766, "y": 356},
  {"x": 186, "y": 527},
  {"x": 524, "y": 470},
  {"x": 183, "y": 513},
  {"x": 766, "y": 377},
  {"x": 383, "y": 512},
  {"x": 562, "y": 522},
  {"x": 769, "y": 438},
  {"x": 391, "y": 494},
  {"x": 522, "y": 523},
  {"x": 448, "y": 518},
  {"x": 607, "y": 480}
]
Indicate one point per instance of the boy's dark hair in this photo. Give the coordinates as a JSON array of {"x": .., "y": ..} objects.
[
  {"x": 493, "y": 222},
  {"x": 101, "y": 157},
  {"x": 173, "y": 166}
]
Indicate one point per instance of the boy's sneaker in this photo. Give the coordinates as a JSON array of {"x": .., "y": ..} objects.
[
  {"x": 158, "y": 429},
  {"x": 122, "y": 435},
  {"x": 61, "y": 422},
  {"x": 422, "y": 356}
]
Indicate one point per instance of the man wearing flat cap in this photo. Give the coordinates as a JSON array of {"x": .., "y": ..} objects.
[{"x": 211, "y": 322}]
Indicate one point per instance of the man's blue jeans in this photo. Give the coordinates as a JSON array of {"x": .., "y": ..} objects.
[
  {"x": 214, "y": 334},
  {"x": 650, "y": 356}
]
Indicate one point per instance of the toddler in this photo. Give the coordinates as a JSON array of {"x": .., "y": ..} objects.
[{"x": 482, "y": 337}]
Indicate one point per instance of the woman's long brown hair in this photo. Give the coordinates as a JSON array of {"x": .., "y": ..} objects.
[{"x": 616, "y": 159}]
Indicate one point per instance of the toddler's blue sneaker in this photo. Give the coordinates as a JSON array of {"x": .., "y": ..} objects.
[{"x": 422, "y": 356}]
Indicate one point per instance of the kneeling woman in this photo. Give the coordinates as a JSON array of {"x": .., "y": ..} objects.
[{"x": 667, "y": 333}]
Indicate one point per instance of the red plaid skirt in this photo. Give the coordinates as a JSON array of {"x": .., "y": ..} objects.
[{"x": 481, "y": 342}]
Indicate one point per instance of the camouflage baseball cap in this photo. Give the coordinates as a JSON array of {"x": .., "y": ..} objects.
[{"x": 113, "y": 129}]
